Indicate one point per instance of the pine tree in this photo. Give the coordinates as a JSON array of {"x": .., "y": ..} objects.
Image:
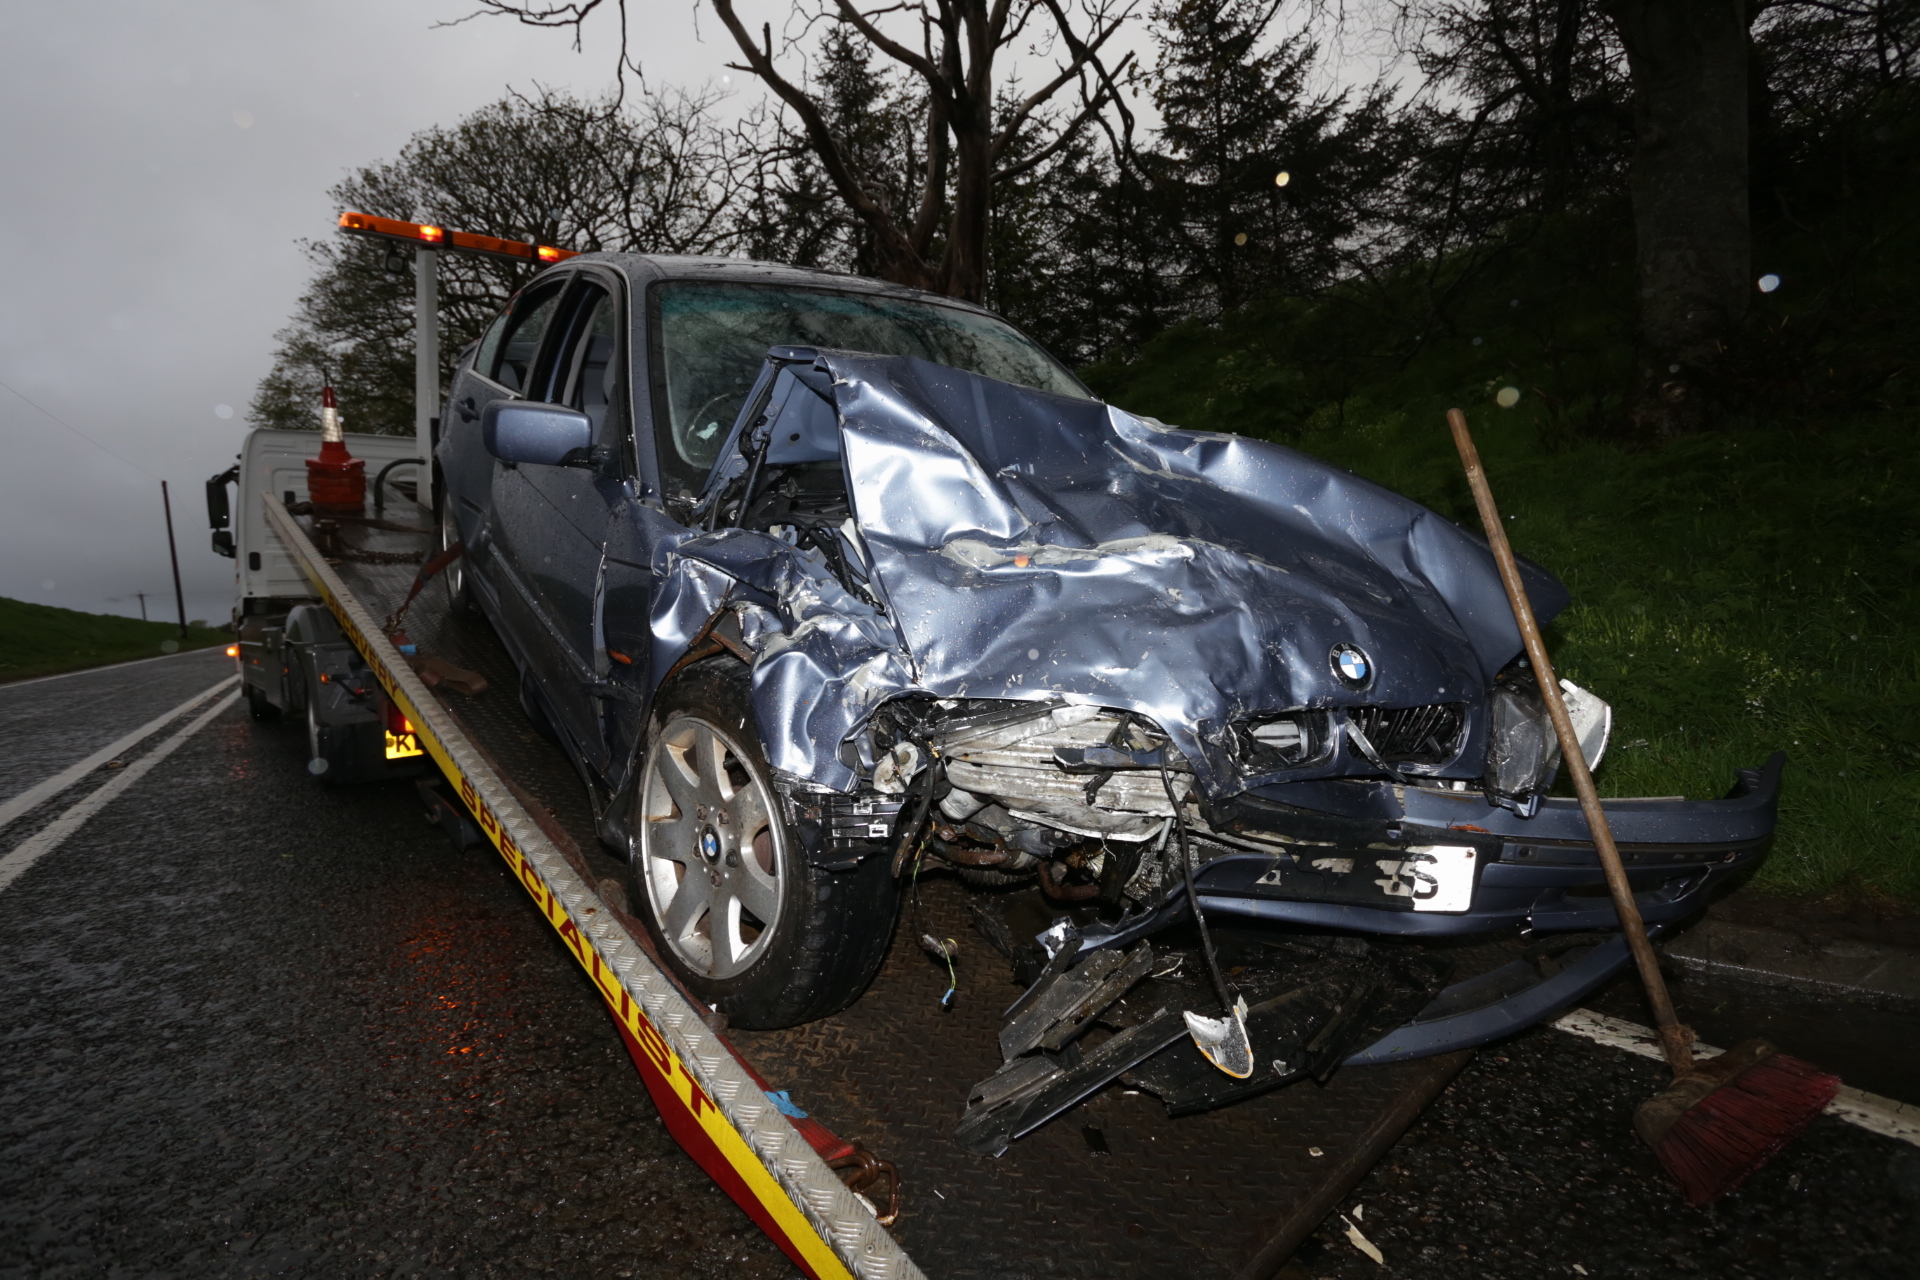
[{"x": 1237, "y": 113}]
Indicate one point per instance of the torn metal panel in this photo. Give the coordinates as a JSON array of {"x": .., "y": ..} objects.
[{"x": 824, "y": 657}]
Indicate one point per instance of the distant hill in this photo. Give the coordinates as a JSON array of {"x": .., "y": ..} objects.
[{"x": 40, "y": 640}]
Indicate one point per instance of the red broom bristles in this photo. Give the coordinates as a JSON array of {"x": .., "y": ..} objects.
[{"x": 1740, "y": 1126}]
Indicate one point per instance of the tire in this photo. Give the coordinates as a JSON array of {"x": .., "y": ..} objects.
[
  {"x": 713, "y": 851},
  {"x": 335, "y": 753},
  {"x": 459, "y": 592},
  {"x": 258, "y": 707}
]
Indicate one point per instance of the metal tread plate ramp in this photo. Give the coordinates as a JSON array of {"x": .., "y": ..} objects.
[{"x": 1111, "y": 1188}]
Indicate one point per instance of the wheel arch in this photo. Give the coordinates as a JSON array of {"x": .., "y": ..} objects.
[
  {"x": 708, "y": 649},
  {"x": 843, "y": 919}
]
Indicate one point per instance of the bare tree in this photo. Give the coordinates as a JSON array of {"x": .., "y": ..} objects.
[
  {"x": 956, "y": 51},
  {"x": 1556, "y": 87}
]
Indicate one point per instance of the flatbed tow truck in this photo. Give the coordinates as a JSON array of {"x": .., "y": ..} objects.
[
  {"x": 836, "y": 1136},
  {"x": 1112, "y": 1188}
]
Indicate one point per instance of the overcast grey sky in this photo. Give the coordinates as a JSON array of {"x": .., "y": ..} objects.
[{"x": 162, "y": 158}]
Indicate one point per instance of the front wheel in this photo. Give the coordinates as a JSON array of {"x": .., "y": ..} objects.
[{"x": 747, "y": 922}]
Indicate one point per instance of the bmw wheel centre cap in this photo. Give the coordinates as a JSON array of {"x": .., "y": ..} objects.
[{"x": 1351, "y": 666}]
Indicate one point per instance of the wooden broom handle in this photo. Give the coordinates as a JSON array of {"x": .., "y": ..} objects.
[{"x": 1676, "y": 1039}]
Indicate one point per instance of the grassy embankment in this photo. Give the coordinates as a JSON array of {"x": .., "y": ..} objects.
[
  {"x": 40, "y": 640},
  {"x": 1747, "y": 590}
]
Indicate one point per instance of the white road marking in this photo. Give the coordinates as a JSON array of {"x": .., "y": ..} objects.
[
  {"x": 1869, "y": 1111},
  {"x": 51, "y": 836},
  {"x": 67, "y": 777}
]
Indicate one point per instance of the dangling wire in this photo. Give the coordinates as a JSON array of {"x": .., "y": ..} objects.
[
  {"x": 915, "y": 854},
  {"x": 1193, "y": 901},
  {"x": 915, "y": 828},
  {"x": 944, "y": 949}
]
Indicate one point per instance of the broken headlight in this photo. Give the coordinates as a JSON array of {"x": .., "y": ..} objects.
[
  {"x": 1522, "y": 752},
  {"x": 1294, "y": 737}
]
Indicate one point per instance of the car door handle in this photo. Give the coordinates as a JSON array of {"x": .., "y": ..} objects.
[{"x": 467, "y": 410}]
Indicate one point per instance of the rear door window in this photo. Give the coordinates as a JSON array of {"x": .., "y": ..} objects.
[{"x": 489, "y": 353}]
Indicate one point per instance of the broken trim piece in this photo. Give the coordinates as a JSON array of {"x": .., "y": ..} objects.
[{"x": 1041, "y": 1088}]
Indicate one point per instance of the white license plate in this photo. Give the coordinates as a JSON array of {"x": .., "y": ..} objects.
[{"x": 1438, "y": 877}]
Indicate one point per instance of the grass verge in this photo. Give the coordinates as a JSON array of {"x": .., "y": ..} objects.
[
  {"x": 1735, "y": 593},
  {"x": 40, "y": 640}
]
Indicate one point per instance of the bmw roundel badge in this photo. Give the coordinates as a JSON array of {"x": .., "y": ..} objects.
[{"x": 1352, "y": 666}]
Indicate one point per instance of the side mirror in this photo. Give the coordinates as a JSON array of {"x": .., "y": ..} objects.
[
  {"x": 546, "y": 434},
  {"x": 219, "y": 513}
]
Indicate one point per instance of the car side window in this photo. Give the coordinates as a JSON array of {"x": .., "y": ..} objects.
[
  {"x": 520, "y": 341},
  {"x": 489, "y": 352},
  {"x": 589, "y": 370}
]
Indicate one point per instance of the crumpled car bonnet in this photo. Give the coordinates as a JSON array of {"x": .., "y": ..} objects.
[{"x": 1028, "y": 546}]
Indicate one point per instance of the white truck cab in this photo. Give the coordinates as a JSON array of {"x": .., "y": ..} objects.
[
  {"x": 275, "y": 462},
  {"x": 293, "y": 657}
]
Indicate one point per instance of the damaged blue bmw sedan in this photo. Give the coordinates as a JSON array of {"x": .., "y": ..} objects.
[{"x": 817, "y": 580}]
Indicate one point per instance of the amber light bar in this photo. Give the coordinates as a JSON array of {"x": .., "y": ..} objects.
[{"x": 366, "y": 224}]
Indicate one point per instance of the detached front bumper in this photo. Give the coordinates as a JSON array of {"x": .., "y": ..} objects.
[{"x": 1541, "y": 872}]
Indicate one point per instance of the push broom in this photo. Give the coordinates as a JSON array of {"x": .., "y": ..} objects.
[{"x": 1723, "y": 1117}]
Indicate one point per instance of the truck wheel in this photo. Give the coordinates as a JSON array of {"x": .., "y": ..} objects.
[
  {"x": 334, "y": 751},
  {"x": 258, "y": 706},
  {"x": 721, "y": 881}
]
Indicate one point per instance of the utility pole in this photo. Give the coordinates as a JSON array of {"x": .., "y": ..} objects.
[
  {"x": 426, "y": 363},
  {"x": 179, "y": 598},
  {"x": 143, "y": 603}
]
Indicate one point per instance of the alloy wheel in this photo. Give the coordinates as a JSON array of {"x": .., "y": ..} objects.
[{"x": 710, "y": 849}]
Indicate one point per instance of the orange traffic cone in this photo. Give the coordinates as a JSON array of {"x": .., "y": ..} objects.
[{"x": 336, "y": 480}]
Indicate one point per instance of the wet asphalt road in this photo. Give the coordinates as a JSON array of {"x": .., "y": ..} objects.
[
  {"x": 253, "y": 1026},
  {"x": 46, "y": 725},
  {"x": 1526, "y": 1166}
]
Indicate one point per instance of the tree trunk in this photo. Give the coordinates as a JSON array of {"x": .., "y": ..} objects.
[
  {"x": 1688, "y": 61},
  {"x": 966, "y": 258}
]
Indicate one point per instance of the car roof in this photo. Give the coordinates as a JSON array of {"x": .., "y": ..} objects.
[{"x": 646, "y": 268}]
